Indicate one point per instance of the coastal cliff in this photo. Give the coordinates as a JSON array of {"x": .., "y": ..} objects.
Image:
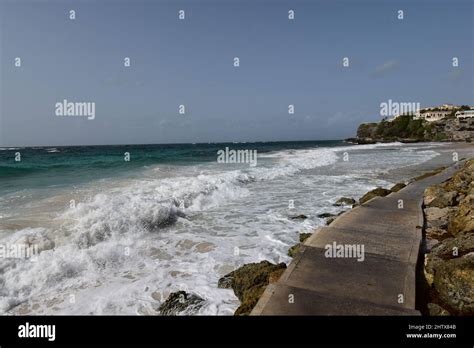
[{"x": 407, "y": 129}]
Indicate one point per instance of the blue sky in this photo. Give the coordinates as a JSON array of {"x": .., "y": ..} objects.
[{"x": 190, "y": 62}]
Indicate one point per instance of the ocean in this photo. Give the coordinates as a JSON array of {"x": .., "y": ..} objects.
[{"x": 116, "y": 236}]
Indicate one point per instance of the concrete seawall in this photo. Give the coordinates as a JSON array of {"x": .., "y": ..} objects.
[{"x": 382, "y": 284}]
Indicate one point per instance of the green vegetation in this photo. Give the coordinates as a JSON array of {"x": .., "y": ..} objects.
[{"x": 402, "y": 128}]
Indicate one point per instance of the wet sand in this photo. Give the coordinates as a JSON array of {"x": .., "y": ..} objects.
[{"x": 446, "y": 151}]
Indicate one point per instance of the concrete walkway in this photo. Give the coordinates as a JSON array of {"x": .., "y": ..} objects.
[{"x": 382, "y": 284}]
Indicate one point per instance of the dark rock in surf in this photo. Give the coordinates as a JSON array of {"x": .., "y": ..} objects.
[
  {"x": 249, "y": 282},
  {"x": 325, "y": 215},
  {"x": 295, "y": 249},
  {"x": 378, "y": 192},
  {"x": 397, "y": 187},
  {"x": 344, "y": 201},
  {"x": 180, "y": 302},
  {"x": 298, "y": 217}
]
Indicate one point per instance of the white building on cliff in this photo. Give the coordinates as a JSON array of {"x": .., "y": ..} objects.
[
  {"x": 431, "y": 115},
  {"x": 465, "y": 114}
]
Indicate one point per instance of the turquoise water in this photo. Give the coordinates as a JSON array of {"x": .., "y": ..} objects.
[{"x": 62, "y": 166}]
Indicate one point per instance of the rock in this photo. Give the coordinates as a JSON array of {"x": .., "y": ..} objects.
[
  {"x": 436, "y": 233},
  {"x": 274, "y": 276},
  {"x": 446, "y": 250},
  {"x": 326, "y": 215},
  {"x": 462, "y": 179},
  {"x": 249, "y": 283},
  {"x": 449, "y": 266},
  {"x": 454, "y": 284},
  {"x": 407, "y": 129},
  {"x": 344, "y": 201},
  {"x": 298, "y": 217},
  {"x": 180, "y": 302},
  {"x": 462, "y": 220},
  {"x": 459, "y": 198},
  {"x": 436, "y": 310},
  {"x": 251, "y": 298},
  {"x": 428, "y": 244},
  {"x": 438, "y": 217},
  {"x": 331, "y": 217},
  {"x": 295, "y": 249},
  {"x": 398, "y": 187},
  {"x": 304, "y": 236},
  {"x": 462, "y": 244},
  {"x": 436, "y": 196},
  {"x": 378, "y": 192}
]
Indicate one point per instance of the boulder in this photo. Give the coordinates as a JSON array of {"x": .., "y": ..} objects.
[
  {"x": 436, "y": 233},
  {"x": 398, "y": 187},
  {"x": 304, "y": 236},
  {"x": 249, "y": 282},
  {"x": 436, "y": 310},
  {"x": 378, "y": 192},
  {"x": 298, "y": 217},
  {"x": 275, "y": 275},
  {"x": 344, "y": 201},
  {"x": 449, "y": 266},
  {"x": 325, "y": 215},
  {"x": 462, "y": 220},
  {"x": 180, "y": 302},
  {"x": 461, "y": 180},
  {"x": 450, "y": 248},
  {"x": 454, "y": 284},
  {"x": 331, "y": 217},
  {"x": 436, "y": 196},
  {"x": 446, "y": 250},
  {"x": 295, "y": 249},
  {"x": 437, "y": 217}
]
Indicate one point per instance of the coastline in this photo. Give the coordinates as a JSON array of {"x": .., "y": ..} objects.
[
  {"x": 405, "y": 175},
  {"x": 252, "y": 280}
]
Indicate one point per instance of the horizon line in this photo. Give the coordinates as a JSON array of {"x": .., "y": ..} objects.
[{"x": 155, "y": 144}]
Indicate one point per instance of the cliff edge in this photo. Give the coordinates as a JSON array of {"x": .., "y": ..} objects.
[{"x": 407, "y": 129}]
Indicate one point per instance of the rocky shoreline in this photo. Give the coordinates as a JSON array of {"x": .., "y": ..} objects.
[{"x": 447, "y": 281}]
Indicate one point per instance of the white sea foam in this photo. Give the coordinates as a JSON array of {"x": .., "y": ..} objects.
[
  {"x": 52, "y": 150},
  {"x": 129, "y": 243}
]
